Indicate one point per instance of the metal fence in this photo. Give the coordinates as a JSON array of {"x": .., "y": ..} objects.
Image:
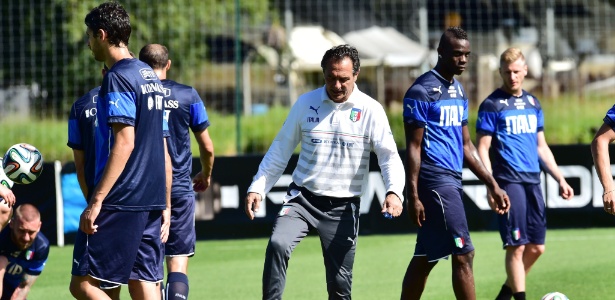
[{"x": 245, "y": 57}]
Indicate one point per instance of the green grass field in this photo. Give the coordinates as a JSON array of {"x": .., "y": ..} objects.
[{"x": 577, "y": 262}]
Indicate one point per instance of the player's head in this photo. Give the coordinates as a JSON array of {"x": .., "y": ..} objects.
[
  {"x": 453, "y": 51},
  {"x": 513, "y": 70},
  {"x": 108, "y": 26},
  {"x": 340, "y": 66},
  {"x": 25, "y": 225},
  {"x": 155, "y": 55}
]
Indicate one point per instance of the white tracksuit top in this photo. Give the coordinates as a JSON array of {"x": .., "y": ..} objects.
[{"x": 336, "y": 140}]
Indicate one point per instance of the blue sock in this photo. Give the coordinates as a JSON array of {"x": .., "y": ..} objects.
[{"x": 177, "y": 286}]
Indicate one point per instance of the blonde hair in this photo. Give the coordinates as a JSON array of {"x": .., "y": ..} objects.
[{"x": 511, "y": 55}]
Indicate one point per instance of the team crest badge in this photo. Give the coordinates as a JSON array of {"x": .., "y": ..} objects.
[
  {"x": 29, "y": 254},
  {"x": 516, "y": 234},
  {"x": 530, "y": 99},
  {"x": 284, "y": 210},
  {"x": 355, "y": 114},
  {"x": 459, "y": 242}
]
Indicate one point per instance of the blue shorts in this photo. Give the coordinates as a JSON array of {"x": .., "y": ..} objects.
[
  {"x": 445, "y": 229},
  {"x": 526, "y": 221},
  {"x": 126, "y": 246},
  {"x": 182, "y": 237}
]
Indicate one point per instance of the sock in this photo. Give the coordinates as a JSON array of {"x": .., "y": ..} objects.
[
  {"x": 519, "y": 296},
  {"x": 177, "y": 286},
  {"x": 505, "y": 293}
]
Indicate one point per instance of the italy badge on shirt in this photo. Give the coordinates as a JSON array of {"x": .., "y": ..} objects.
[
  {"x": 355, "y": 114},
  {"x": 459, "y": 242},
  {"x": 284, "y": 210},
  {"x": 29, "y": 254}
]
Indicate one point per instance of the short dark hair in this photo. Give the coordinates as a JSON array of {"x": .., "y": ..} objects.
[
  {"x": 155, "y": 55},
  {"x": 113, "y": 19},
  {"x": 338, "y": 53},
  {"x": 450, "y": 33}
]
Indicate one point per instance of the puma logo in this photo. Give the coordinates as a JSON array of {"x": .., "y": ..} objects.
[
  {"x": 438, "y": 89},
  {"x": 410, "y": 107},
  {"x": 315, "y": 109},
  {"x": 505, "y": 101}
]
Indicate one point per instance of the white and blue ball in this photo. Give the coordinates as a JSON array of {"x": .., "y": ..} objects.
[
  {"x": 554, "y": 296},
  {"x": 22, "y": 163},
  {"x": 4, "y": 180}
]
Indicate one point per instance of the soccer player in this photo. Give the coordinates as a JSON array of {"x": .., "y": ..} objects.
[
  {"x": 510, "y": 121},
  {"x": 120, "y": 237},
  {"x": 81, "y": 132},
  {"x": 437, "y": 142},
  {"x": 23, "y": 253},
  {"x": 600, "y": 153},
  {"x": 338, "y": 126},
  {"x": 184, "y": 111}
]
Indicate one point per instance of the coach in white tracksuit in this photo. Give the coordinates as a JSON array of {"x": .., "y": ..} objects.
[{"x": 337, "y": 126}]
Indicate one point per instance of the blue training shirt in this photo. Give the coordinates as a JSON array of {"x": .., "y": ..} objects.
[
  {"x": 183, "y": 110},
  {"x": 513, "y": 122},
  {"x": 30, "y": 261},
  {"x": 609, "y": 119},
  {"x": 441, "y": 108},
  {"x": 132, "y": 94},
  {"x": 81, "y": 131}
]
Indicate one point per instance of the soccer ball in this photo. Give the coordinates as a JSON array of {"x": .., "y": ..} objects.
[
  {"x": 5, "y": 181},
  {"x": 554, "y": 296},
  {"x": 23, "y": 163}
]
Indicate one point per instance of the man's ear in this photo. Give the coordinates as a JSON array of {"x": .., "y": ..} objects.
[
  {"x": 101, "y": 34},
  {"x": 168, "y": 66}
]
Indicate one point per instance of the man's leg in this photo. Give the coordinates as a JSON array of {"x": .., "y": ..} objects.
[
  {"x": 177, "y": 281},
  {"x": 531, "y": 254},
  {"x": 143, "y": 290},
  {"x": 86, "y": 287},
  {"x": 113, "y": 293},
  {"x": 338, "y": 230},
  {"x": 416, "y": 277},
  {"x": 515, "y": 271},
  {"x": 289, "y": 229},
  {"x": 463, "y": 276}
]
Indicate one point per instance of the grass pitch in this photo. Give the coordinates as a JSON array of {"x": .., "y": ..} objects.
[{"x": 577, "y": 263}]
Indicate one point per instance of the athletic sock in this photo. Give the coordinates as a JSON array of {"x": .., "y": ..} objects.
[
  {"x": 505, "y": 293},
  {"x": 177, "y": 286},
  {"x": 519, "y": 296}
]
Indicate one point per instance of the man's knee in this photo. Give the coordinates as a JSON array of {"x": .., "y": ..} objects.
[
  {"x": 279, "y": 244},
  {"x": 534, "y": 249},
  {"x": 340, "y": 286},
  {"x": 463, "y": 260}
]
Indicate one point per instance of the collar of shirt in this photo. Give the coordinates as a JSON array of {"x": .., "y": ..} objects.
[
  {"x": 438, "y": 75},
  {"x": 351, "y": 100}
]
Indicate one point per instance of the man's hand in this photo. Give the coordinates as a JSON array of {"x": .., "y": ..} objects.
[
  {"x": 166, "y": 225},
  {"x": 498, "y": 200},
  {"x": 201, "y": 182},
  {"x": 88, "y": 216},
  {"x": 565, "y": 190},
  {"x": 392, "y": 205},
  {"x": 253, "y": 202},
  {"x": 7, "y": 195},
  {"x": 416, "y": 211}
]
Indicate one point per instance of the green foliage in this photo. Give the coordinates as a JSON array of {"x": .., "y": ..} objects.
[
  {"x": 567, "y": 122},
  {"x": 232, "y": 269}
]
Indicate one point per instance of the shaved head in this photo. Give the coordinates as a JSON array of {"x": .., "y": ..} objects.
[
  {"x": 155, "y": 55},
  {"x": 27, "y": 213}
]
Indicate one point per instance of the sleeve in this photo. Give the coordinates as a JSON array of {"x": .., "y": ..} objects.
[
  {"x": 610, "y": 117},
  {"x": 416, "y": 106},
  {"x": 36, "y": 266},
  {"x": 120, "y": 99},
  {"x": 487, "y": 118},
  {"x": 273, "y": 164},
  {"x": 540, "y": 118},
  {"x": 464, "y": 113},
  {"x": 383, "y": 144},
  {"x": 199, "y": 120},
  {"x": 74, "y": 132}
]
